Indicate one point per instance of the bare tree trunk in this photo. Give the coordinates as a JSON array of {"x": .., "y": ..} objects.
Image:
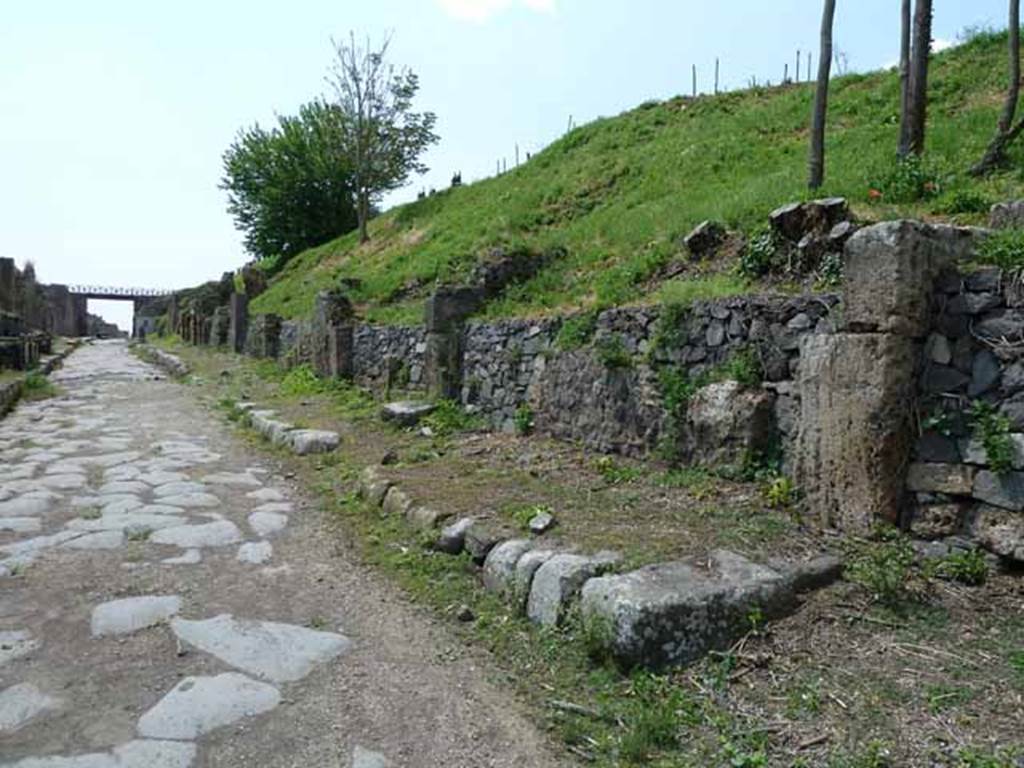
[
  {"x": 817, "y": 160},
  {"x": 904, "y": 146},
  {"x": 919, "y": 59},
  {"x": 363, "y": 214},
  {"x": 1005, "y": 132}
]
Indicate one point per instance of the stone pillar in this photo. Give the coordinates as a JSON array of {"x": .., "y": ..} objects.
[
  {"x": 341, "y": 351},
  {"x": 264, "y": 337},
  {"x": 239, "y": 321},
  {"x": 173, "y": 315},
  {"x": 220, "y": 327},
  {"x": 7, "y": 271},
  {"x": 446, "y": 313},
  {"x": 332, "y": 332},
  {"x": 80, "y": 315},
  {"x": 858, "y": 387}
]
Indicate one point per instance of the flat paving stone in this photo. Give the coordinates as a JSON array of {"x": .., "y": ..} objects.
[
  {"x": 195, "y": 500},
  {"x": 267, "y": 523},
  {"x": 220, "y": 533},
  {"x": 198, "y": 705},
  {"x": 15, "y": 643},
  {"x": 275, "y": 507},
  {"x": 188, "y": 557},
  {"x": 265, "y": 494},
  {"x": 162, "y": 477},
  {"x": 130, "y": 614},
  {"x": 234, "y": 479},
  {"x": 255, "y": 552},
  {"x": 277, "y": 652},
  {"x": 20, "y": 703},
  {"x": 101, "y": 540},
  {"x": 131, "y": 520},
  {"x": 20, "y": 524},
  {"x": 365, "y": 758},
  {"x": 179, "y": 487},
  {"x": 64, "y": 482},
  {"x": 123, "y": 486},
  {"x": 24, "y": 507}
]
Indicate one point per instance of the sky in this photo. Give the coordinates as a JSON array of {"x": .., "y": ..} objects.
[{"x": 114, "y": 114}]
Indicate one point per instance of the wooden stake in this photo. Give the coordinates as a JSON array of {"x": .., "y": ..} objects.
[
  {"x": 716, "y": 76},
  {"x": 694, "y": 81}
]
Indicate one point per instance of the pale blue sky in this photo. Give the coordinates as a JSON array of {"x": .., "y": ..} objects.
[{"x": 114, "y": 113}]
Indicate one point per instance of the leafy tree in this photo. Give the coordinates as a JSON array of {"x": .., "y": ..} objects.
[
  {"x": 291, "y": 187},
  {"x": 1006, "y": 131},
  {"x": 382, "y": 136},
  {"x": 817, "y": 160}
]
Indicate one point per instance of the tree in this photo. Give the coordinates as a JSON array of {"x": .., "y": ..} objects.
[
  {"x": 914, "y": 116},
  {"x": 904, "y": 147},
  {"x": 1006, "y": 131},
  {"x": 291, "y": 188},
  {"x": 817, "y": 161},
  {"x": 383, "y": 137}
]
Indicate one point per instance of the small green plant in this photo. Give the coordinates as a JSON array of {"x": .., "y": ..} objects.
[
  {"x": 523, "y": 515},
  {"x": 965, "y": 201},
  {"x": 449, "y": 417},
  {"x": 882, "y": 566},
  {"x": 91, "y": 513},
  {"x": 523, "y": 419},
  {"x": 910, "y": 179},
  {"x": 138, "y": 533},
  {"x": 804, "y": 698},
  {"x": 993, "y": 429},
  {"x": 612, "y": 352},
  {"x": 1017, "y": 665},
  {"x": 615, "y": 473},
  {"x": 576, "y": 331},
  {"x": 1003, "y": 248},
  {"x": 780, "y": 492},
  {"x": 755, "y": 619},
  {"x": 938, "y": 421},
  {"x": 743, "y": 366},
  {"x": 302, "y": 380},
  {"x": 597, "y": 634},
  {"x": 967, "y": 567},
  {"x": 830, "y": 270},
  {"x": 655, "y": 721},
  {"x": 37, "y": 387},
  {"x": 759, "y": 257}
]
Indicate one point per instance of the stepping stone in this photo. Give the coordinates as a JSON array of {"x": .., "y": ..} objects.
[
  {"x": 20, "y": 703},
  {"x": 364, "y": 758},
  {"x": 191, "y": 500},
  {"x": 198, "y": 705},
  {"x": 188, "y": 557},
  {"x": 178, "y": 487},
  {"x": 266, "y": 494},
  {"x": 216, "y": 534},
  {"x": 124, "y": 472},
  {"x": 65, "y": 468},
  {"x": 406, "y": 413},
  {"x": 255, "y": 552},
  {"x": 121, "y": 506},
  {"x": 159, "y": 509},
  {"x": 266, "y": 523},
  {"x": 110, "y": 459},
  {"x": 130, "y": 614},
  {"x": 280, "y": 653},
  {"x": 24, "y": 507},
  {"x": 274, "y": 507},
  {"x": 20, "y": 524},
  {"x": 101, "y": 540},
  {"x": 242, "y": 479}
]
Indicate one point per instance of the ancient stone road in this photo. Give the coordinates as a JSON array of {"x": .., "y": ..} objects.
[{"x": 168, "y": 600}]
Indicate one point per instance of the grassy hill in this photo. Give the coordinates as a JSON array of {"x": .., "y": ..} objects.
[{"x": 619, "y": 193}]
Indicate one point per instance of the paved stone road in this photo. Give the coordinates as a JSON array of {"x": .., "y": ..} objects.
[{"x": 167, "y": 600}]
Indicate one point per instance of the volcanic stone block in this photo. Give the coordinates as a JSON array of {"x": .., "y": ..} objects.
[
  {"x": 855, "y": 438},
  {"x": 239, "y": 322}
]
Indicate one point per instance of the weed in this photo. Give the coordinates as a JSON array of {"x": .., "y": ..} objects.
[
  {"x": 1017, "y": 665},
  {"x": 681, "y": 294},
  {"x": 965, "y": 201},
  {"x": 615, "y": 473},
  {"x": 597, "y": 633},
  {"x": 37, "y": 387},
  {"x": 804, "y": 698},
  {"x": 908, "y": 180},
  {"x": 967, "y": 567},
  {"x": 523, "y": 515},
  {"x": 138, "y": 533},
  {"x": 302, "y": 380},
  {"x": 576, "y": 331},
  {"x": 1003, "y": 248},
  {"x": 882, "y": 566},
  {"x": 612, "y": 352},
  {"x": 830, "y": 271},
  {"x": 780, "y": 492},
  {"x": 943, "y": 696},
  {"x": 760, "y": 254},
  {"x": 449, "y": 417},
  {"x": 742, "y": 366},
  {"x": 523, "y": 419},
  {"x": 91, "y": 513},
  {"x": 993, "y": 428}
]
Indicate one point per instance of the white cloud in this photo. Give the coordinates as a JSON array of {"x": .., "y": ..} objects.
[
  {"x": 481, "y": 10},
  {"x": 938, "y": 44}
]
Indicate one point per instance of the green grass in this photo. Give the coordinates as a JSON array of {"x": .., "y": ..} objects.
[{"x": 620, "y": 192}]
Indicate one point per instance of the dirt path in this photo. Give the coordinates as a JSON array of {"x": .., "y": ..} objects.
[{"x": 168, "y": 599}]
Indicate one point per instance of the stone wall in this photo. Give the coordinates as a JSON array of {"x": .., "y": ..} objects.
[
  {"x": 967, "y": 475},
  {"x": 389, "y": 357}
]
